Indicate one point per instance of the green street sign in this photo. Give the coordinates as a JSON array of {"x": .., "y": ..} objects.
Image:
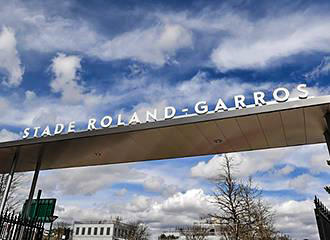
[{"x": 42, "y": 210}]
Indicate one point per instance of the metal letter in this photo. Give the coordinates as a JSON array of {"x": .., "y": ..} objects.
[
  {"x": 204, "y": 108},
  {"x": 91, "y": 124},
  {"x": 169, "y": 115},
  {"x": 239, "y": 101},
  {"x": 259, "y": 98},
  {"x": 104, "y": 119},
  {"x": 302, "y": 89},
  {"x": 281, "y": 98}
]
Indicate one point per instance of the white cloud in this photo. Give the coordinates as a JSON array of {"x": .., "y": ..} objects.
[
  {"x": 139, "y": 203},
  {"x": 186, "y": 208},
  {"x": 10, "y": 62},
  {"x": 6, "y": 136},
  {"x": 30, "y": 95},
  {"x": 121, "y": 192},
  {"x": 66, "y": 70},
  {"x": 83, "y": 181},
  {"x": 157, "y": 184},
  {"x": 311, "y": 157},
  {"x": 178, "y": 209},
  {"x": 292, "y": 215},
  {"x": 39, "y": 31},
  {"x": 305, "y": 183},
  {"x": 285, "y": 170},
  {"x": 208, "y": 170},
  {"x": 263, "y": 42},
  {"x": 322, "y": 69},
  {"x": 152, "y": 45},
  {"x": 241, "y": 42}
]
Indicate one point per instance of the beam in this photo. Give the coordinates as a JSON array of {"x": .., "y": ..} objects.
[
  {"x": 34, "y": 181},
  {"x": 327, "y": 133},
  {"x": 327, "y": 139},
  {"x": 9, "y": 181}
]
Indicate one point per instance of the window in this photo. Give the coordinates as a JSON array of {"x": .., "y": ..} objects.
[
  {"x": 101, "y": 231},
  {"x": 77, "y": 230},
  {"x": 83, "y": 231},
  {"x": 95, "y": 231},
  {"x": 89, "y": 231},
  {"x": 108, "y": 231}
]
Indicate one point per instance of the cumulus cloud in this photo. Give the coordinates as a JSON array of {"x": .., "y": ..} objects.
[
  {"x": 272, "y": 171},
  {"x": 157, "y": 184},
  {"x": 6, "y": 135},
  {"x": 285, "y": 170},
  {"x": 41, "y": 32},
  {"x": 261, "y": 161},
  {"x": 121, "y": 192},
  {"x": 153, "y": 45},
  {"x": 186, "y": 208},
  {"x": 82, "y": 181},
  {"x": 292, "y": 215},
  {"x": 66, "y": 70},
  {"x": 263, "y": 42},
  {"x": 10, "y": 62},
  {"x": 305, "y": 183},
  {"x": 177, "y": 209}
]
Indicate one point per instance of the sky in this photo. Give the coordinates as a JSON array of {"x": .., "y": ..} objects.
[{"x": 74, "y": 60}]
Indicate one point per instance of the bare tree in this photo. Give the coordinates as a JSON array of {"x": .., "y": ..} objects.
[
  {"x": 14, "y": 200},
  {"x": 241, "y": 214},
  {"x": 194, "y": 232},
  {"x": 228, "y": 198},
  {"x": 283, "y": 237},
  {"x": 59, "y": 230},
  {"x": 138, "y": 231},
  {"x": 168, "y": 237}
]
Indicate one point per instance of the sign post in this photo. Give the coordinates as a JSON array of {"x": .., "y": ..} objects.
[{"x": 41, "y": 210}]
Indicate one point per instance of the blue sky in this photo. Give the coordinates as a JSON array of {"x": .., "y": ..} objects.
[{"x": 73, "y": 60}]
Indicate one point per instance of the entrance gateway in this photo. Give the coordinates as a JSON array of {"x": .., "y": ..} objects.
[{"x": 282, "y": 122}]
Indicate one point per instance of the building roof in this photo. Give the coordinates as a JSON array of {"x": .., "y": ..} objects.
[{"x": 271, "y": 126}]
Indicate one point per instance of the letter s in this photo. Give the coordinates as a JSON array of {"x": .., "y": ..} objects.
[
  {"x": 26, "y": 133},
  {"x": 302, "y": 89}
]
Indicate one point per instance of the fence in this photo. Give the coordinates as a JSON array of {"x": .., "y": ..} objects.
[
  {"x": 322, "y": 215},
  {"x": 15, "y": 227}
]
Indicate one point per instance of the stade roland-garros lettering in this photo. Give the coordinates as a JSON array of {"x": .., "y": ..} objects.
[{"x": 280, "y": 95}]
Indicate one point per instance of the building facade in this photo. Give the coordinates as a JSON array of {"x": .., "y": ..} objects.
[
  {"x": 113, "y": 230},
  {"x": 212, "y": 232}
]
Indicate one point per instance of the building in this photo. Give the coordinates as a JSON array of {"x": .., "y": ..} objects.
[
  {"x": 105, "y": 230},
  {"x": 210, "y": 231}
]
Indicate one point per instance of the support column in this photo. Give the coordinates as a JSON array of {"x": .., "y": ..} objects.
[
  {"x": 34, "y": 181},
  {"x": 327, "y": 139},
  {"x": 327, "y": 133},
  {"x": 9, "y": 181}
]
